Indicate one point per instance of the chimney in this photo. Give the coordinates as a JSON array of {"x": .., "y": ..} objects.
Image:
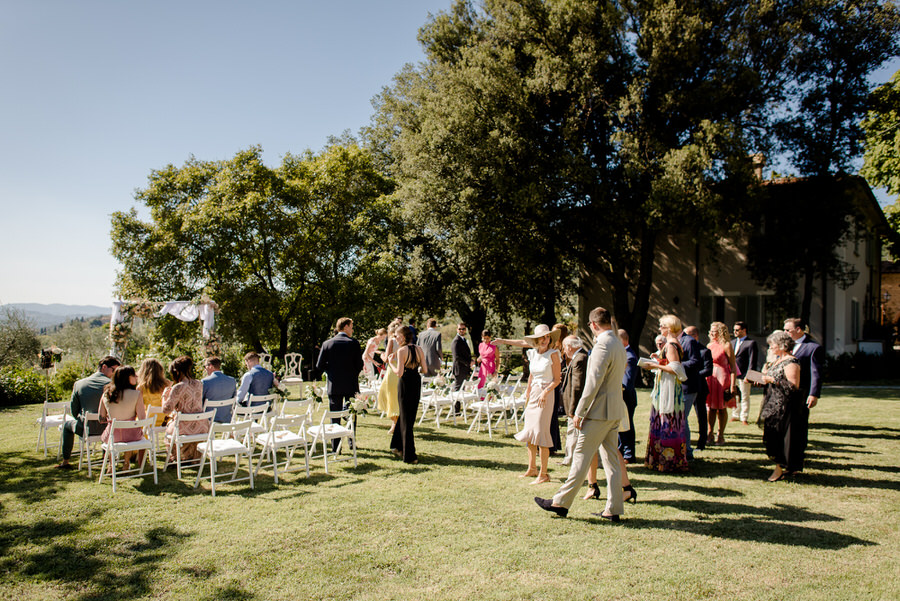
[{"x": 759, "y": 162}]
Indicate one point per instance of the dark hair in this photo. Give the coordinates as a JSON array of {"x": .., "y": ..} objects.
[
  {"x": 181, "y": 368},
  {"x": 601, "y": 317},
  {"x": 431, "y": 323},
  {"x": 214, "y": 362},
  {"x": 463, "y": 324},
  {"x": 485, "y": 333},
  {"x": 121, "y": 381},
  {"x": 741, "y": 325},
  {"x": 405, "y": 332},
  {"x": 796, "y": 322},
  {"x": 342, "y": 323},
  {"x": 109, "y": 361}
]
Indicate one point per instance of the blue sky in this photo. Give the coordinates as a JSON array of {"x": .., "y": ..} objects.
[{"x": 97, "y": 94}]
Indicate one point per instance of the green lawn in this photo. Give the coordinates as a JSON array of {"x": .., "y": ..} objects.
[{"x": 461, "y": 525}]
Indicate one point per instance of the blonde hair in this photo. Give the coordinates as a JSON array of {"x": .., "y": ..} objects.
[
  {"x": 151, "y": 377},
  {"x": 671, "y": 322},
  {"x": 719, "y": 332}
]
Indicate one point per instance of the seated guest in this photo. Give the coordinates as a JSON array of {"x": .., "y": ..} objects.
[
  {"x": 86, "y": 397},
  {"x": 218, "y": 387},
  {"x": 122, "y": 401},
  {"x": 257, "y": 380},
  {"x": 186, "y": 396},
  {"x": 151, "y": 378}
]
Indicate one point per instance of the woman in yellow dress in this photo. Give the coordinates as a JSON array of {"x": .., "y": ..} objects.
[
  {"x": 151, "y": 381},
  {"x": 389, "y": 392}
]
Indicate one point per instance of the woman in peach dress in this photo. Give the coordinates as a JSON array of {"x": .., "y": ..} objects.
[
  {"x": 186, "y": 396},
  {"x": 722, "y": 383}
]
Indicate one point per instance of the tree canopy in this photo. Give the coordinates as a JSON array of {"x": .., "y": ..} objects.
[
  {"x": 284, "y": 251},
  {"x": 881, "y": 161}
]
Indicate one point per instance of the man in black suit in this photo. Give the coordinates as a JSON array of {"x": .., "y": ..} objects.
[
  {"x": 703, "y": 388},
  {"x": 629, "y": 395},
  {"x": 341, "y": 358},
  {"x": 746, "y": 355},
  {"x": 462, "y": 357},
  {"x": 812, "y": 361}
]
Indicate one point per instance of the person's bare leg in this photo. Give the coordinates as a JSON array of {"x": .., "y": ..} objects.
[
  {"x": 723, "y": 420},
  {"x": 711, "y": 418},
  {"x": 393, "y": 424},
  {"x": 543, "y": 476},
  {"x": 592, "y": 478},
  {"x": 532, "y": 459}
]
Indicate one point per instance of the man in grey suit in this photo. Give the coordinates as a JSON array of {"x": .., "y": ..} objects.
[
  {"x": 218, "y": 387},
  {"x": 430, "y": 341},
  {"x": 86, "y": 395},
  {"x": 597, "y": 418}
]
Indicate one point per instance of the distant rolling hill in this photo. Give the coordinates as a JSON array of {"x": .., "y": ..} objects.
[{"x": 51, "y": 315}]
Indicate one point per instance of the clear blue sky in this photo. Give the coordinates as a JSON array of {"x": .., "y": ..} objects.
[{"x": 96, "y": 94}]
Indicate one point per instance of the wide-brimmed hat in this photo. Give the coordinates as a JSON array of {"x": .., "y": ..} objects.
[{"x": 541, "y": 331}]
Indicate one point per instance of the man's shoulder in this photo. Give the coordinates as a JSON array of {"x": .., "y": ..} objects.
[{"x": 94, "y": 379}]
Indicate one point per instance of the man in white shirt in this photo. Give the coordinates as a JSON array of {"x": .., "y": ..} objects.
[{"x": 746, "y": 355}]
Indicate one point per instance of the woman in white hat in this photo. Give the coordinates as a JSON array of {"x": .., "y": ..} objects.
[{"x": 544, "y": 367}]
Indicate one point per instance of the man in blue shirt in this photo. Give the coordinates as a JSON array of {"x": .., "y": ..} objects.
[
  {"x": 257, "y": 380},
  {"x": 218, "y": 387}
]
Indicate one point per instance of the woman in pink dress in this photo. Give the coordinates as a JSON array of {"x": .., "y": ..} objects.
[
  {"x": 487, "y": 359},
  {"x": 186, "y": 396},
  {"x": 722, "y": 383},
  {"x": 121, "y": 401}
]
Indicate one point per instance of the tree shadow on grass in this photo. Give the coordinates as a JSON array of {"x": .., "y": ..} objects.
[
  {"x": 750, "y": 529},
  {"x": 32, "y": 478},
  {"x": 856, "y": 431},
  {"x": 443, "y": 436}
]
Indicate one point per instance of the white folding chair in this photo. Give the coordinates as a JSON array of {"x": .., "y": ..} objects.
[
  {"x": 88, "y": 444},
  {"x": 112, "y": 450},
  {"x": 258, "y": 416},
  {"x": 326, "y": 431},
  {"x": 178, "y": 440},
  {"x": 157, "y": 433},
  {"x": 234, "y": 443},
  {"x": 292, "y": 407},
  {"x": 507, "y": 392},
  {"x": 288, "y": 433},
  {"x": 53, "y": 415},
  {"x": 486, "y": 409},
  {"x": 216, "y": 405},
  {"x": 437, "y": 401}
]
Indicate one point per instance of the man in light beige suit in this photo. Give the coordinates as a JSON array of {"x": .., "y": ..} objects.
[{"x": 597, "y": 417}]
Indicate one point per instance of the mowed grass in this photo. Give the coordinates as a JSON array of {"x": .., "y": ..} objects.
[{"x": 461, "y": 525}]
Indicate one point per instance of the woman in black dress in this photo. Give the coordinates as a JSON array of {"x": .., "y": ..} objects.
[
  {"x": 406, "y": 363},
  {"x": 782, "y": 400}
]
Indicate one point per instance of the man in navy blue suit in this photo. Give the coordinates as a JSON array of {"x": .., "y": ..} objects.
[
  {"x": 629, "y": 395},
  {"x": 812, "y": 361},
  {"x": 341, "y": 358},
  {"x": 706, "y": 368},
  {"x": 692, "y": 364},
  {"x": 218, "y": 387}
]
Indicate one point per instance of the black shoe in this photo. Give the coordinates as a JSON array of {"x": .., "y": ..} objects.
[
  {"x": 633, "y": 498},
  {"x": 611, "y": 518},
  {"x": 594, "y": 492},
  {"x": 547, "y": 505}
]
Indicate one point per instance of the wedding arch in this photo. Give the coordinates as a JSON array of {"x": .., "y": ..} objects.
[{"x": 121, "y": 320}]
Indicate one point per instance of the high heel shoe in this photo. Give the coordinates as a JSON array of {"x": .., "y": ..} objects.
[
  {"x": 633, "y": 498},
  {"x": 594, "y": 493}
]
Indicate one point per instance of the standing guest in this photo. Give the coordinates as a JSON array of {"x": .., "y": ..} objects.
[
  {"x": 597, "y": 418},
  {"x": 122, "y": 401},
  {"x": 666, "y": 446},
  {"x": 257, "y": 380},
  {"x": 487, "y": 359},
  {"x": 371, "y": 349},
  {"x": 557, "y": 392},
  {"x": 544, "y": 376},
  {"x": 414, "y": 331},
  {"x": 783, "y": 404},
  {"x": 691, "y": 362},
  {"x": 430, "y": 341},
  {"x": 812, "y": 359},
  {"x": 722, "y": 382},
  {"x": 151, "y": 381},
  {"x": 703, "y": 392},
  {"x": 341, "y": 359},
  {"x": 629, "y": 395},
  {"x": 406, "y": 363},
  {"x": 746, "y": 357},
  {"x": 462, "y": 357},
  {"x": 660, "y": 342},
  {"x": 388, "y": 392},
  {"x": 573, "y": 384},
  {"x": 218, "y": 387},
  {"x": 186, "y": 396},
  {"x": 86, "y": 394}
]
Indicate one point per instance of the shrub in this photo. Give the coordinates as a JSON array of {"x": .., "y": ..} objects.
[
  {"x": 66, "y": 376},
  {"x": 861, "y": 366},
  {"x": 21, "y": 386}
]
